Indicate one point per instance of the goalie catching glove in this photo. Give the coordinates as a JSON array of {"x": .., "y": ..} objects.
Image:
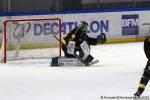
[{"x": 101, "y": 38}]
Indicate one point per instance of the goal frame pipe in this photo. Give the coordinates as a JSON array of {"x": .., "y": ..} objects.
[{"x": 26, "y": 20}]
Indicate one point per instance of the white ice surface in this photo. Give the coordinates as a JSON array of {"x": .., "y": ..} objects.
[{"x": 117, "y": 74}]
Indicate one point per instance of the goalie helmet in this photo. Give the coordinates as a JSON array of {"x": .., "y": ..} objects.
[{"x": 83, "y": 25}]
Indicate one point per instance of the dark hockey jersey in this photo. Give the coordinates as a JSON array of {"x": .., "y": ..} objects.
[
  {"x": 147, "y": 47},
  {"x": 78, "y": 36}
]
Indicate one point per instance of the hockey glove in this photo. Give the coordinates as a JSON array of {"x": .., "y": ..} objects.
[{"x": 101, "y": 38}]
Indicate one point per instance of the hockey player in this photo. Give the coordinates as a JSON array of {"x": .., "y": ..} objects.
[
  {"x": 146, "y": 75},
  {"x": 78, "y": 35},
  {"x": 77, "y": 41}
]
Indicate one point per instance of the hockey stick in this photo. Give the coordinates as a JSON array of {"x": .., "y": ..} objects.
[
  {"x": 59, "y": 39},
  {"x": 56, "y": 38}
]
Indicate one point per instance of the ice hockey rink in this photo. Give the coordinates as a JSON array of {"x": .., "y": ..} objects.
[{"x": 115, "y": 77}]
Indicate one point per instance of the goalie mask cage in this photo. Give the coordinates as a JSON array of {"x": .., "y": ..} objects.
[{"x": 31, "y": 39}]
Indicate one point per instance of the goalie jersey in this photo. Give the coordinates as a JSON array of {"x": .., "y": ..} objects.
[{"x": 78, "y": 36}]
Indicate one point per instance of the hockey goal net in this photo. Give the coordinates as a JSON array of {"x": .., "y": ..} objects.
[{"x": 31, "y": 39}]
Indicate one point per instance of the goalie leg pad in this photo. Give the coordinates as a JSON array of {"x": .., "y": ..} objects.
[
  {"x": 63, "y": 61},
  {"x": 89, "y": 59},
  {"x": 71, "y": 47},
  {"x": 85, "y": 49},
  {"x": 54, "y": 61}
]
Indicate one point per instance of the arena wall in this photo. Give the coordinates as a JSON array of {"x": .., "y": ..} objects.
[{"x": 119, "y": 26}]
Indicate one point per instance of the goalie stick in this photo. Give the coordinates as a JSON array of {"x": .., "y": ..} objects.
[
  {"x": 94, "y": 62},
  {"x": 58, "y": 38}
]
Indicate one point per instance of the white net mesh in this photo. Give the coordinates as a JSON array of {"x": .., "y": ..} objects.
[
  {"x": 2, "y": 51},
  {"x": 32, "y": 38}
]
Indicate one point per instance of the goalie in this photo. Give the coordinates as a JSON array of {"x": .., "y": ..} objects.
[{"x": 76, "y": 45}]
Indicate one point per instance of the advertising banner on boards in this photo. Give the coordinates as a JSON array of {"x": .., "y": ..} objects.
[{"x": 116, "y": 25}]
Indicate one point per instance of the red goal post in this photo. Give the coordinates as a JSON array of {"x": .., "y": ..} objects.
[{"x": 29, "y": 20}]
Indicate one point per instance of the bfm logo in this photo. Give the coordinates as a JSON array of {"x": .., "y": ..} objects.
[{"x": 130, "y": 24}]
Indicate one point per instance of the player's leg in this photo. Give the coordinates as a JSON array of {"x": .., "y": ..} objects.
[
  {"x": 144, "y": 80},
  {"x": 84, "y": 53},
  {"x": 69, "y": 57}
]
